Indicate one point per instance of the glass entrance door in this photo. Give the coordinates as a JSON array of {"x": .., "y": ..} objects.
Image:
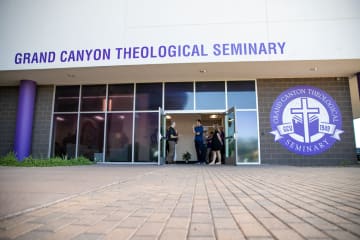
[
  {"x": 162, "y": 137},
  {"x": 230, "y": 137},
  {"x": 241, "y": 132}
]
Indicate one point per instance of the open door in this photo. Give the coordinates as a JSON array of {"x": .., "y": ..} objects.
[
  {"x": 162, "y": 137},
  {"x": 230, "y": 137}
]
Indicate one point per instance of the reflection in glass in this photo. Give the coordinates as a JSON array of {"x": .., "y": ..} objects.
[
  {"x": 148, "y": 96},
  {"x": 241, "y": 94},
  {"x": 146, "y": 137},
  {"x": 93, "y": 98},
  {"x": 121, "y": 97},
  {"x": 210, "y": 95},
  {"x": 119, "y": 137},
  {"x": 247, "y": 137},
  {"x": 179, "y": 96},
  {"x": 230, "y": 140},
  {"x": 64, "y": 135},
  {"x": 91, "y": 136},
  {"x": 67, "y": 99},
  {"x": 163, "y": 139}
]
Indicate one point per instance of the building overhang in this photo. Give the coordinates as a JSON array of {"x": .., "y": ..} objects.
[{"x": 184, "y": 72}]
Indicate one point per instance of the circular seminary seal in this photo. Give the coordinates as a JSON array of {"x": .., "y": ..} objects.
[{"x": 305, "y": 120}]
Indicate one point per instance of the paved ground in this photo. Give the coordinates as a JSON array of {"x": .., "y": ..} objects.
[{"x": 180, "y": 202}]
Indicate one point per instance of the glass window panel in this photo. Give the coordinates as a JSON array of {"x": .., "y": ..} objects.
[
  {"x": 119, "y": 137},
  {"x": 91, "y": 135},
  {"x": 179, "y": 96},
  {"x": 67, "y": 99},
  {"x": 241, "y": 94},
  {"x": 210, "y": 95},
  {"x": 64, "y": 135},
  {"x": 146, "y": 137},
  {"x": 121, "y": 97},
  {"x": 93, "y": 98},
  {"x": 247, "y": 137},
  {"x": 148, "y": 96}
]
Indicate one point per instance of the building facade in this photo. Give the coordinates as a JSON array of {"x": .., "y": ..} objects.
[{"x": 280, "y": 78}]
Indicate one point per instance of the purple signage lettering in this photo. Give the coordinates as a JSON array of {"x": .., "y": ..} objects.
[
  {"x": 148, "y": 52},
  {"x": 34, "y": 58}
]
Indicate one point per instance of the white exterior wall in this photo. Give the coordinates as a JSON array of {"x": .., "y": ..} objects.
[{"x": 310, "y": 30}]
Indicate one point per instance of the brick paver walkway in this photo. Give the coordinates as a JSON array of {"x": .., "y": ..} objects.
[{"x": 205, "y": 202}]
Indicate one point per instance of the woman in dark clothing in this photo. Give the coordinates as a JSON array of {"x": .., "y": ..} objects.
[
  {"x": 209, "y": 146},
  {"x": 216, "y": 146}
]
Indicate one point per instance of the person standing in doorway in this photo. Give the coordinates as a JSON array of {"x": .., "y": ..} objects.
[
  {"x": 198, "y": 131},
  {"x": 172, "y": 138},
  {"x": 216, "y": 145}
]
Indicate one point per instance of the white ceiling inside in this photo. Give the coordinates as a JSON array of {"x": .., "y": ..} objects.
[{"x": 185, "y": 72}]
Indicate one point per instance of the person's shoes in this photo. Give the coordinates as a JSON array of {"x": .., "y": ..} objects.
[
  {"x": 218, "y": 163},
  {"x": 212, "y": 163}
]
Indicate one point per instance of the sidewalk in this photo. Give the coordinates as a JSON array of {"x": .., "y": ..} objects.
[{"x": 180, "y": 202}]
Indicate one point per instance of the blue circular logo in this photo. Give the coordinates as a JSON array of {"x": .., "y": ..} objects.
[{"x": 305, "y": 120}]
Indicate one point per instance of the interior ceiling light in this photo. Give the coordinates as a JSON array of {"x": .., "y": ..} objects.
[
  {"x": 60, "y": 119},
  {"x": 213, "y": 116},
  {"x": 168, "y": 117},
  {"x": 100, "y": 118}
]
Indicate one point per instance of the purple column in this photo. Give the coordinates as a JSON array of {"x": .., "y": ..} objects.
[
  {"x": 358, "y": 82},
  {"x": 24, "y": 119}
]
